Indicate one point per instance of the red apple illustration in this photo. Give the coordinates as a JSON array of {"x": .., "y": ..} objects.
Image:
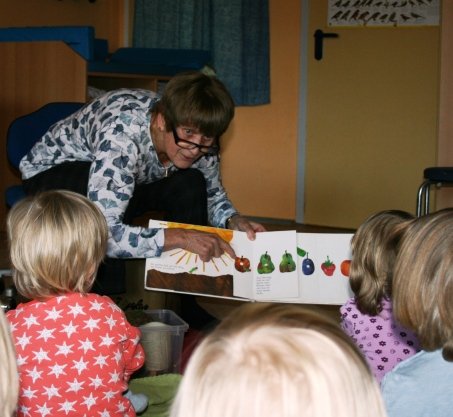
[{"x": 242, "y": 264}]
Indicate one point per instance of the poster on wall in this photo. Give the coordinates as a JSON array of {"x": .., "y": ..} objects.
[{"x": 371, "y": 13}]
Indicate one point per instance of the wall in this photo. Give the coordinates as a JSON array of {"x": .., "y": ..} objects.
[
  {"x": 260, "y": 148},
  {"x": 445, "y": 153},
  {"x": 259, "y": 162}
]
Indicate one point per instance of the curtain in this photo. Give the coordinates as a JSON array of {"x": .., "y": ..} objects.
[{"x": 236, "y": 32}]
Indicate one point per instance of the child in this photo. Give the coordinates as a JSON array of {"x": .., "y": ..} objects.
[
  {"x": 9, "y": 381},
  {"x": 423, "y": 293},
  {"x": 267, "y": 360},
  {"x": 367, "y": 317},
  {"x": 75, "y": 350}
]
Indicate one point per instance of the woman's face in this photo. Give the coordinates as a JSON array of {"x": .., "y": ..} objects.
[
  {"x": 183, "y": 145},
  {"x": 179, "y": 152}
]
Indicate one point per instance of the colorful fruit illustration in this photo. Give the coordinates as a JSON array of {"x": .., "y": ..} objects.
[
  {"x": 344, "y": 267},
  {"x": 328, "y": 267},
  {"x": 242, "y": 264},
  {"x": 265, "y": 265},
  {"x": 308, "y": 266},
  {"x": 301, "y": 252},
  {"x": 287, "y": 263}
]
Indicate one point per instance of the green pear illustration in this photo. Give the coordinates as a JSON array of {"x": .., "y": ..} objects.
[
  {"x": 287, "y": 263},
  {"x": 265, "y": 265}
]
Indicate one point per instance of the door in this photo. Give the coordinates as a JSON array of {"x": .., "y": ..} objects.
[{"x": 368, "y": 123}]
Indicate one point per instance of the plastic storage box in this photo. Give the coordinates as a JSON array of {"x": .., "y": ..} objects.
[{"x": 162, "y": 339}]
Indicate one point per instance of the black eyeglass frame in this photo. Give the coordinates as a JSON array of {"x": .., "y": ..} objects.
[{"x": 210, "y": 150}]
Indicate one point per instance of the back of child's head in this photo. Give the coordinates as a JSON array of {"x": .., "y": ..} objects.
[
  {"x": 374, "y": 249},
  {"x": 268, "y": 360},
  {"x": 57, "y": 241},
  {"x": 423, "y": 287}
]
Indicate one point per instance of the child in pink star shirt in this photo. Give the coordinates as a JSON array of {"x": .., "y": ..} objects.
[
  {"x": 75, "y": 350},
  {"x": 368, "y": 316}
]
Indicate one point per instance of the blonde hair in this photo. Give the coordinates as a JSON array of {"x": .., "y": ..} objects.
[
  {"x": 57, "y": 241},
  {"x": 9, "y": 379},
  {"x": 269, "y": 360},
  {"x": 374, "y": 248},
  {"x": 423, "y": 287}
]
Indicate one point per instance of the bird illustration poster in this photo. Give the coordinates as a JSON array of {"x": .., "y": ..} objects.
[
  {"x": 283, "y": 266},
  {"x": 396, "y": 13}
]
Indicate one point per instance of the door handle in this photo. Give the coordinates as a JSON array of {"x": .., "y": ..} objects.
[{"x": 319, "y": 41}]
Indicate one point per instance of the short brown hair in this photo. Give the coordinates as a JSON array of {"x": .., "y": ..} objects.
[
  {"x": 374, "y": 248},
  {"x": 57, "y": 241},
  {"x": 196, "y": 100},
  {"x": 423, "y": 281}
]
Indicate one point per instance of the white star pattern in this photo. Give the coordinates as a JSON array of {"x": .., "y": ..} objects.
[
  {"x": 101, "y": 361},
  {"x": 52, "y": 391},
  {"x": 110, "y": 322},
  {"x": 86, "y": 345},
  {"x": 25, "y": 411},
  {"x": 34, "y": 374},
  {"x": 41, "y": 355},
  {"x": 80, "y": 365},
  {"x": 44, "y": 410},
  {"x": 31, "y": 320},
  {"x": 74, "y": 358},
  {"x": 29, "y": 393},
  {"x": 96, "y": 306},
  {"x": 89, "y": 401},
  {"x": 106, "y": 340},
  {"x": 91, "y": 324},
  {"x": 64, "y": 349},
  {"x": 76, "y": 310},
  {"x": 57, "y": 370},
  {"x": 96, "y": 382},
  {"x": 53, "y": 314},
  {"x": 23, "y": 341},
  {"x": 67, "y": 406},
  {"x": 75, "y": 386},
  {"x": 46, "y": 334},
  {"x": 69, "y": 329},
  {"x": 21, "y": 360}
]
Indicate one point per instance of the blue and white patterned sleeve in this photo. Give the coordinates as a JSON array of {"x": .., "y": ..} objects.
[{"x": 111, "y": 186}]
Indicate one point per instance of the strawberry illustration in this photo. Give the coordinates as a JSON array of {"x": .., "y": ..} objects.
[{"x": 328, "y": 267}]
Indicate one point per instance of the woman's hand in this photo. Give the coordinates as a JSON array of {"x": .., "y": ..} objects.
[
  {"x": 205, "y": 245},
  {"x": 241, "y": 223}
]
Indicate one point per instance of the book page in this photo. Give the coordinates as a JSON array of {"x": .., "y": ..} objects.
[
  {"x": 323, "y": 263},
  {"x": 273, "y": 266}
]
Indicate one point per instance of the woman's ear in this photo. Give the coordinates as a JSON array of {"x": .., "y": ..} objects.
[{"x": 160, "y": 121}]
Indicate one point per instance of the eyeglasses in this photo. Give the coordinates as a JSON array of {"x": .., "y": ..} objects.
[{"x": 187, "y": 144}]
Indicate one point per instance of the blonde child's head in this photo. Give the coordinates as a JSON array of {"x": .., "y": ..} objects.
[
  {"x": 374, "y": 247},
  {"x": 57, "y": 241},
  {"x": 423, "y": 288},
  {"x": 269, "y": 360},
  {"x": 9, "y": 380}
]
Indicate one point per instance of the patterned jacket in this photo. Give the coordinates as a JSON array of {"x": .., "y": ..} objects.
[{"x": 113, "y": 132}]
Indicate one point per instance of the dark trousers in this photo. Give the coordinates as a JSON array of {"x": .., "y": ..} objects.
[{"x": 181, "y": 196}]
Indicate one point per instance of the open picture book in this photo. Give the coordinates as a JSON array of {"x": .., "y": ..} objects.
[{"x": 279, "y": 266}]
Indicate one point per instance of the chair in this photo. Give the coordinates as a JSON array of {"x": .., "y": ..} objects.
[
  {"x": 25, "y": 131},
  {"x": 438, "y": 176}
]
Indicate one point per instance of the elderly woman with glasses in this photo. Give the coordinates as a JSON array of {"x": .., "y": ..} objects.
[{"x": 132, "y": 151}]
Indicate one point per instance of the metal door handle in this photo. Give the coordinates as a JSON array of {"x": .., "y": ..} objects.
[{"x": 319, "y": 40}]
